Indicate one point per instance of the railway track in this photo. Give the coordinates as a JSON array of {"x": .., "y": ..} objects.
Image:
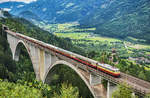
[{"x": 135, "y": 80}]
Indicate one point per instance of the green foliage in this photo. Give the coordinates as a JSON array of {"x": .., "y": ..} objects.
[
  {"x": 45, "y": 89},
  {"x": 7, "y": 65},
  {"x": 104, "y": 58},
  {"x": 12, "y": 90},
  {"x": 67, "y": 91},
  {"x": 142, "y": 75},
  {"x": 69, "y": 76},
  {"x": 147, "y": 96},
  {"x": 133, "y": 69},
  {"x": 115, "y": 59},
  {"x": 123, "y": 91}
]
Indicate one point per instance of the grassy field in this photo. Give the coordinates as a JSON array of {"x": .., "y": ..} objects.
[
  {"x": 86, "y": 36},
  {"x": 99, "y": 38},
  {"x": 140, "y": 46},
  {"x": 64, "y": 28},
  {"x": 73, "y": 35},
  {"x": 147, "y": 68}
]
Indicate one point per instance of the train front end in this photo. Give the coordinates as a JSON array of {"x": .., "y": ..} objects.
[{"x": 113, "y": 71}]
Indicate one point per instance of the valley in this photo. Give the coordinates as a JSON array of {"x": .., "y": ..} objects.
[{"x": 130, "y": 48}]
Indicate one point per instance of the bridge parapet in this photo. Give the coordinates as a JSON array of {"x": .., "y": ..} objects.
[{"x": 95, "y": 80}]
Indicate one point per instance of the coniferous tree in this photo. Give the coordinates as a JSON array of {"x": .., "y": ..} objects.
[
  {"x": 123, "y": 91},
  {"x": 67, "y": 91}
]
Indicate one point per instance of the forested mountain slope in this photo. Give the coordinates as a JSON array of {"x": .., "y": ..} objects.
[
  {"x": 121, "y": 18},
  {"x": 23, "y": 26}
]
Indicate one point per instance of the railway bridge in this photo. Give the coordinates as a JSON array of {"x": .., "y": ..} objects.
[{"x": 44, "y": 58}]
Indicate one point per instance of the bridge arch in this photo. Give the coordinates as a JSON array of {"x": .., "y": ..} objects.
[
  {"x": 17, "y": 50},
  {"x": 58, "y": 63}
]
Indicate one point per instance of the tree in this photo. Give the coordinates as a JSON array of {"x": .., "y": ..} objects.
[
  {"x": 67, "y": 91},
  {"x": 123, "y": 91},
  {"x": 142, "y": 75},
  {"x": 147, "y": 96},
  {"x": 1, "y": 30},
  {"x": 12, "y": 90},
  {"x": 104, "y": 58},
  {"x": 92, "y": 54},
  {"x": 45, "y": 89},
  {"x": 114, "y": 58}
]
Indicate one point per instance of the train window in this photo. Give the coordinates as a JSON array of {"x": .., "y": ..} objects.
[
  {"x": 108, "y": 68},
  {"x": 116, "y": 70}
]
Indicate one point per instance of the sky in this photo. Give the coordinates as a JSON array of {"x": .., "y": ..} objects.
[{"x": 25, "y": 1}]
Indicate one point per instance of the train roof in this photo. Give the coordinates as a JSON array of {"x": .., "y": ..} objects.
[{"x": 108, "y": 66}]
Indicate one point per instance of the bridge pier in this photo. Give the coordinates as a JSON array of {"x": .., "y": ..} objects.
[
  {"x": 41, "y": 61},
  {"x": 110, "y": 89},
  {"x": 95, "y": 80},
  {"x": 16, "y": 55}
]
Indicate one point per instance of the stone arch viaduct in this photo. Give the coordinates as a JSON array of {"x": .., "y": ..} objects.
[{"x": 44, "y": 59}]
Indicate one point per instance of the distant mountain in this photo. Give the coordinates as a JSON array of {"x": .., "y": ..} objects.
[
  {"x": 29, "y": 16},
  {"x": 1, "y": 14},
  {"x": 11, "y": 6},
  {"x": 121, "y": 18},
  {"x": 113, "y": 18},
  {"x": 54, "y": 11},
  {"x": 4, "y": 14}
]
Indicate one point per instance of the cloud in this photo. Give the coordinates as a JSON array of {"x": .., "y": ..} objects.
[
  {"x": 6, "y": 9},
  {"x": 19, "y": 6},
  {"x": 44, "y": 9},
  {"x": 25, "y": 1}
]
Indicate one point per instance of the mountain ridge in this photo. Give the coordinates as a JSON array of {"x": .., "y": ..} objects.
[{"x": 113, "y": 18}]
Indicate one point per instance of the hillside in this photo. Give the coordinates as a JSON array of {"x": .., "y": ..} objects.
[
  {"x": 29, "y": 16},
  {"x": 58, "y": 11},
  {"x": 113, "y": 18},
  {"x": 23, "y": 26},
  {"x": 122, "y": 18}
]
